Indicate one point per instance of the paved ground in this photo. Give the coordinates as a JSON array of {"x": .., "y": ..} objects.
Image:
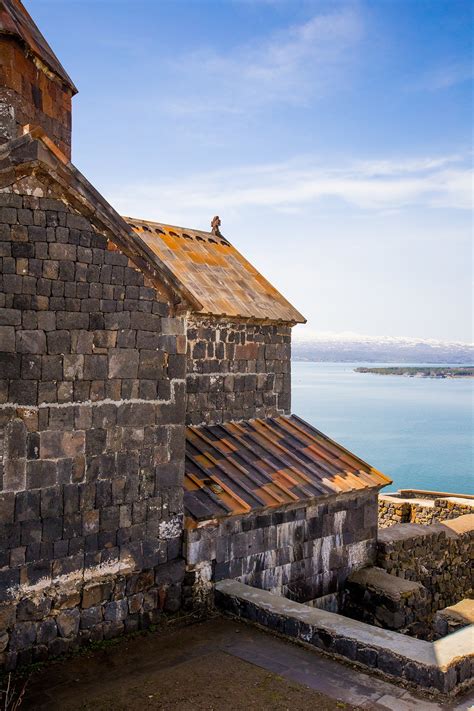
[{"x": 214, "y": 665}]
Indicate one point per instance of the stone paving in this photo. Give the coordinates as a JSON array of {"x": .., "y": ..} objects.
[{"x": 57, "y": 685}]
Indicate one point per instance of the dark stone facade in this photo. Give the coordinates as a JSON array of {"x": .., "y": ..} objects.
[
  {"x": 92, "y": 406},
  {"x": 304, "y": 552},
  {"x": 237, "y": 370}
]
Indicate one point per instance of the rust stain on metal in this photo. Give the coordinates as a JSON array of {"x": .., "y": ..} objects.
[{"x": 266, "y": 462}]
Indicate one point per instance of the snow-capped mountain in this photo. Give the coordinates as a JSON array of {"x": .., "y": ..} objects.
[{"x": 353, "y": 347}]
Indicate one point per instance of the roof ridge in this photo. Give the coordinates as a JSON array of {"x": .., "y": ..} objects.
[{"x": 129, "y": 219}]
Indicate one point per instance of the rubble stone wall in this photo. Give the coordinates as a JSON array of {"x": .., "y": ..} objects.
[
  {"x": 92, "y": 405},
  {"x": 438, "y": 556},
  {"x": 303, "y": 552},
  {"x": 393, "y": 510},
  {"x": 30, "y": 95},
  {"x": 375, "y": 596},
  {"x": 237, "y": 370}
]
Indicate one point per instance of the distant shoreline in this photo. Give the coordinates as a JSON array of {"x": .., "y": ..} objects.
[{"x": 421, "y": 372}]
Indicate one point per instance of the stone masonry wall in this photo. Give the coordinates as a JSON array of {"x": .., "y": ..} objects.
[
  {"x": 302, "y": 552},
  {"x": 92, "y": 403},
  {"x": 237, "y": 370},
  {"x": 384, "y": 600},
  {"x": 395, "y": 509},
  {"x": 438, "y": 556},
  {"x": 29, "y": 95}
]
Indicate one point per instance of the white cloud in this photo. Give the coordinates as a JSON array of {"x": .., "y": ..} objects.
[
  {"x": 447, "y": 76},
  {"x": 430, "y": 182},
  {"x": 289, "y": 66}
]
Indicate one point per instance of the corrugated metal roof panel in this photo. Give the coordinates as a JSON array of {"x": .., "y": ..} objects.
[
  {"x": 215, "y": 273},
  {"x": 235, "y": 467}
]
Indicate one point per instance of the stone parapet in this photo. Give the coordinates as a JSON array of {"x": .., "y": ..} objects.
[
  {"x": 376, "y": 597},
  {"x": 427, "y": 507},
  {"x": 453, "y": 618},
  {"x": 445, "y": 666}
]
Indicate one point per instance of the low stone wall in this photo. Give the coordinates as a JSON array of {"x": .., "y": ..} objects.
[
  {"x": 437, "y": 556},
  {"x": 378, "y": 598},
  {"x": 446, "y": 665},
  {"x": 421, "y": 507},
  {"x": 60, "y": 615},
  {"x": 303, "y": 552},
  {"x": 454, "y": 618}
]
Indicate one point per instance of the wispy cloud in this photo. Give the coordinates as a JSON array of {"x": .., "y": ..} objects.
[
  {"x": 286, "y": 67},
  {"x": 451, "y": 74},
  {"x": 295, "y": 186}
]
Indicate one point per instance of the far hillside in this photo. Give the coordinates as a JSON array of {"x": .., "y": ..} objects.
[{"x": 420, "y": 372}]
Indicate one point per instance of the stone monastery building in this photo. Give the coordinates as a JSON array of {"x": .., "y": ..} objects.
[{"x": 147, "y": 445}]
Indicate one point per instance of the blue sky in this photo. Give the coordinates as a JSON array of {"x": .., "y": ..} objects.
[{"x": 334, "y": 139}]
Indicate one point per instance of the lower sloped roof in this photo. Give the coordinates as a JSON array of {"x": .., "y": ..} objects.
[{"x": 237, "y": 467}]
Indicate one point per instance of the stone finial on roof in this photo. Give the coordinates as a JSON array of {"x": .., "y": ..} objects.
[{"x": 215, "y": 224}]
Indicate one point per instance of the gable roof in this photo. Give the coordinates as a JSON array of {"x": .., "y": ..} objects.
[
  {"x": 215, "y": 273},
  {"x": 237, "y": 467},
  {"x": 17, "y": 22}
]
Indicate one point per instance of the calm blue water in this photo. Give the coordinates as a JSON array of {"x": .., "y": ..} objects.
[{"x": 418, "y": 431}]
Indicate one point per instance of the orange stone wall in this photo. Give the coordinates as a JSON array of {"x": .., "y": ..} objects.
[{"x": 31, "y": 94}]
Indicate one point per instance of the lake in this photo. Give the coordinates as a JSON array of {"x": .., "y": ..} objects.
[{"x": 417, "y": 431}]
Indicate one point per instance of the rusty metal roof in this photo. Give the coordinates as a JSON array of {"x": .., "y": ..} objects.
[
  {"x": 219, "y": 278},
  {"x": 237, "y": 467},
  {"x": 16, "y": 21}
]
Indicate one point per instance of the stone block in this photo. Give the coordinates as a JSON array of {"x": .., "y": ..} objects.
[
  {"x": 95, "y": 367},
  {"x": 41, "y": 473},
  {"x": 47, "y": 631},
  {"x": 58, "y": 342},
  {"x": 94, "y": 594},
  {"x": 33, "y": 609},
  {"x": 14, "y": 476},
  {"x": 7, "y": 339},
  {"x": 91, "y": 617},
  {"x": 23, "y": 636},
  {"x": 68, "y": 623},
  {"x": 31, "y": 341},
  {"x": 123, "y": 363},
  {"x": 116, "y": 611}
]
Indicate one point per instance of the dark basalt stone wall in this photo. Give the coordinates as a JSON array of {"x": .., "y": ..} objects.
[
  {"x": 237, "y": 370},
  {"x": 304, "y": 552},
  {"x": 92, "y": 406},
  {"x": 438, "y": 555}
]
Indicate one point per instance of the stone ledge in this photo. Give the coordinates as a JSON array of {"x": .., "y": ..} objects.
[
  {"x": 454, "y": 617},
  {"x": 380, "y": 581},
  {"x": 405, "y": 531},
  {"x": 444, "y": 666}
]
